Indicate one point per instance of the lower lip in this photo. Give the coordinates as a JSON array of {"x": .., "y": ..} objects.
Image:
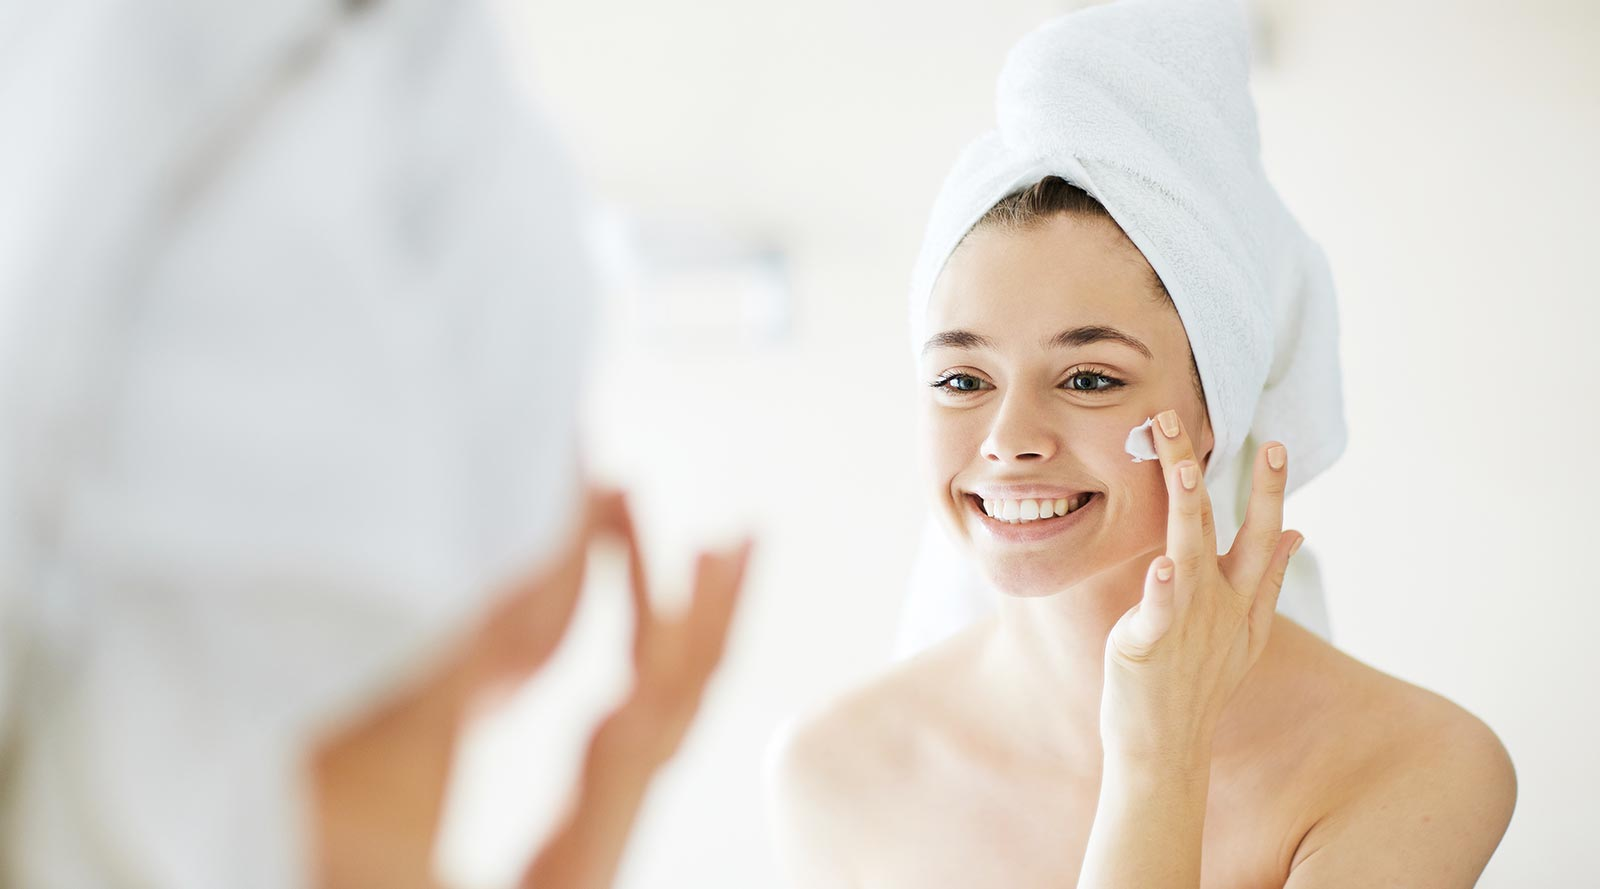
[{"x": 1032, "y": 531}]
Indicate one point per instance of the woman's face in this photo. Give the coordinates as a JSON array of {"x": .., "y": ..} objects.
[{"x": 1047, "y": 345}]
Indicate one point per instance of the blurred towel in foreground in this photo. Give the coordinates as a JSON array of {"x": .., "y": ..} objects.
[{"x": 290, "y": 298}]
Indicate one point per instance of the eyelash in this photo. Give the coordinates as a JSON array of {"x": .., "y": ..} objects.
[{"x": 944, "y": 380}]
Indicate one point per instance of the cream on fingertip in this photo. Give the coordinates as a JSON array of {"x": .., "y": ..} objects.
[{"x": 1141, "y": 442}]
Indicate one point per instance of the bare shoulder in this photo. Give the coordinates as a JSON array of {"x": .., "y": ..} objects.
[
  {"x": 1420, "y": 790},
  {"x": 834, "y": 774},
  {"x": 873, "y": 734}
]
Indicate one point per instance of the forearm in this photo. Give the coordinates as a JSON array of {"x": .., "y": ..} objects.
[
  {"x": 587, "y": 848},
  {"x": 1147, "y": 826}
]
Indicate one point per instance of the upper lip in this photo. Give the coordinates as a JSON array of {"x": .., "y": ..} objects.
[{"x": 1026, "y": 492}]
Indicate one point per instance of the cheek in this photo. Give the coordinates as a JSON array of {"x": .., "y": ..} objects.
[
  {"x": 1101, "y": 440},
  {"x": 949, "y": 439},
  {"x": 1144, "y": 502},
  {"x": 1136, "y": 493},
  {"x": 1137, "y": 501}
]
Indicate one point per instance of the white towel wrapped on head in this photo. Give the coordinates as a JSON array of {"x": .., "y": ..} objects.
[{"x": 1145, "y": 104}]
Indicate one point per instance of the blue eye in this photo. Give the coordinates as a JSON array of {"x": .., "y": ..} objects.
[
  {"x": 1082, "y": 381},
  {"x": 959, "y": 382},
  {"x": 1097, "y": 382}
]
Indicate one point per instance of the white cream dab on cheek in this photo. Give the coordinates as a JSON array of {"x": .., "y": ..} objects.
[{"x": 1142, "y": 442}]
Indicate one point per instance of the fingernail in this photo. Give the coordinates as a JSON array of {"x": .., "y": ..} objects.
[
  {"x": 1188, "y": 473},
  {"x": 1169, "y": 423},
  {"x": 1164, "y": 572},
  {"x": 1295, "y": 547},
  {"x": 1275, "y": 456}
]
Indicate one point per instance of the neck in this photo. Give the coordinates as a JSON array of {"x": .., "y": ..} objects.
[
  {"x": 1045, "y": 662},
  {"x": 1047, "y": 657}
]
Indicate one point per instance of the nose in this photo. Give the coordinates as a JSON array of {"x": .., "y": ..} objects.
[{"x": 1020, "y": 432}]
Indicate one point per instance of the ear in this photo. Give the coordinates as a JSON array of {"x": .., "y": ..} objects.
[{"x": 1208, "y": 442}]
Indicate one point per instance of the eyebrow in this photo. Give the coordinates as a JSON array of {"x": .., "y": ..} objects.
[
  {"x": 1072, "y": 337},
  {"x": 1095, "y": 333},
  {"x": 957, "y": 339}
]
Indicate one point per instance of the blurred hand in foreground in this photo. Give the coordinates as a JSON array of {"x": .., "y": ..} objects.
[{"x": 379, "y": 782}]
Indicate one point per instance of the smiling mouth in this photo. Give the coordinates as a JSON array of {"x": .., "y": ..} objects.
[{"x": 1021, "y": 512}]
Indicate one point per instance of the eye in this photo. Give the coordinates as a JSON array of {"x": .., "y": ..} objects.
[
  {"x": 960, "y": 383},
  {"x": 1091, "y": 381}
]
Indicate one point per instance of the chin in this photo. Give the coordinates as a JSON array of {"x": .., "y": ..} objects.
[{"x": 1032, "y": 576}]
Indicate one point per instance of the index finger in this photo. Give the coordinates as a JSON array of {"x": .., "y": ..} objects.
[
  {"x": 607, "y": 513},
  {"x": 719, "y": 581}
]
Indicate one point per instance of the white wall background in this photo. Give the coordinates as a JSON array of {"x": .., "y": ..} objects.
[{"x": 1442, "y": 152}]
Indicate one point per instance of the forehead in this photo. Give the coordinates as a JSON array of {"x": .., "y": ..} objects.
[{"x": 1058, "y": 273}]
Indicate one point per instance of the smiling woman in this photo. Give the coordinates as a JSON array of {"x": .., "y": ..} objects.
[
  {"x": 1008, "y": 405},
  {"x": 1135, "y": 704},
  {"x": 1135, "y": 713}
]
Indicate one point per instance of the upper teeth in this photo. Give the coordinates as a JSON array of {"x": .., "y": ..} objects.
[{"x": 1029, "y": 510}]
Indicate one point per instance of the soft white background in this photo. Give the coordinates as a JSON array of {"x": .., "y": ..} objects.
[{"x": 1444, "y": 154}]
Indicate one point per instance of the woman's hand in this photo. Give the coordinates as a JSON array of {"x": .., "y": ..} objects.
[
  {"x": 378, "y": 783},
  {"x": 1174, "y": 660},
  {"x": 1172, "y": 663},
  {"x": 673, "y": 659},
  {"x": 673, "y": 656}
]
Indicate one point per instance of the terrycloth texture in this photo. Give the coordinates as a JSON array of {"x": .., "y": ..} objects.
[
  {"x": 292, "y": 313},
  {"x": 1145, "y": 104}
]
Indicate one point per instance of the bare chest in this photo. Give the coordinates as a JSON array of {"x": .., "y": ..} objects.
[{"x": 983, "y": 829}]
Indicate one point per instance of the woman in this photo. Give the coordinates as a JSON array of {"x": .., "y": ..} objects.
[{"x": 1135, "y": 713}]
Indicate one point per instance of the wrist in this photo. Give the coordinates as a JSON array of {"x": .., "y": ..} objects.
[
  {"x": 1141, "y": 787},
  {"x": 1149, "y": 822},
  {"x": 1166, "y": 746},
  {"x": 623, "y": 750},
  {"x": 1188, "y": 765}
]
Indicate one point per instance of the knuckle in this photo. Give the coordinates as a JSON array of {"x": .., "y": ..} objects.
[{"x": 1130, "y": 650}]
